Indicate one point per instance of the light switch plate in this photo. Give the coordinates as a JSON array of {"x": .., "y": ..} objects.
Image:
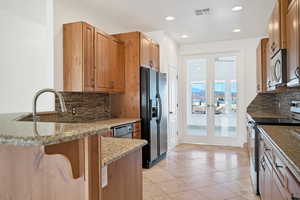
[{"x": 104, "y": 176}]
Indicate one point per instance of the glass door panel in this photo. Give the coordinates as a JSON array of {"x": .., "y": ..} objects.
[
  {"x": 225, "y": 97},
  {"x": 197, "y": 97}
]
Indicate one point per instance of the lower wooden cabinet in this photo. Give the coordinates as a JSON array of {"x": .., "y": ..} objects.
[
  {"x": 125, "y": 178},
  {"x": 276, "y": 182}
]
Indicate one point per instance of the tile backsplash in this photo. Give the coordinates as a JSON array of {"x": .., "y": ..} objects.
[
  {"x": 274, "y": 102},
  {"x": 86, "y": 106}
]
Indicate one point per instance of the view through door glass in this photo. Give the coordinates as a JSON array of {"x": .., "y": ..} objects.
[
  {"x": 225, "y": 97},
  {"x": 197, "y": 97}
]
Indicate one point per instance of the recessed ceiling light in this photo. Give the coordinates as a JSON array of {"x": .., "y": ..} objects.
[
  {"x": 184, "y": 36},
  {"x": 237, "y": 8},
  {"x": 170, "y": 18},
  {"x": 237, "y": 30}
]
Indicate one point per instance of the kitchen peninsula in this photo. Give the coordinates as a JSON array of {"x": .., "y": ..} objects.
[{"x": 55, "y": 160}]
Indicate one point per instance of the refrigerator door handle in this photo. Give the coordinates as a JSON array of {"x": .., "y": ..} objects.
[
  {"x": 150, "y": 109},
  {"x": 159, "y": 103}
]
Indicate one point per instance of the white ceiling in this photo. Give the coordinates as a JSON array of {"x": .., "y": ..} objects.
[{"x": 149, "y": 15}]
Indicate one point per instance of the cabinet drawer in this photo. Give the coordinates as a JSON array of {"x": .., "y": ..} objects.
[
  {"x": 280, "y": 169},
  {"x": 137, "y": 126}
]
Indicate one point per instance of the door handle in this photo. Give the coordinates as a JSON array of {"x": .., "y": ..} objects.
[{"x": 159, "y": 103}]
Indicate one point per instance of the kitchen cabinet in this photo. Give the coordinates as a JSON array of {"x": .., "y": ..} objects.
[
  {"x": 138, "y": 52},
  {"x": 276, "y": 182},
  {"x": 293, "y": 44},
  {"x": 155, "y": 56},
  {"x": 261, "y": 66},
  {"x": 102, "y": 63},
  {"x": 277, "y": 27},
  {"x": 93, "y": 60},
  {"x": 117, "y": 70},
  {"x": 149, "y": 53},
  {"x": 125, "y": 178},
  {"x": 145, "y": 50}
]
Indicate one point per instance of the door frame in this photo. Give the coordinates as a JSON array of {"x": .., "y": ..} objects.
[
  {"x": 224, "y": 141},
  {"x": 172, "y": 142}
]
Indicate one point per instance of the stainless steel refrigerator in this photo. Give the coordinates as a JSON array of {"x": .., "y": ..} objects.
[{"x": 154, "y": 115}]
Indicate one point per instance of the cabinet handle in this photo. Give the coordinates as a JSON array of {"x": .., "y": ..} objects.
[
  {"x": 263, "y": 163},
  {"x": 297, "y": 70},
  {"x": 269, "y": 84},
  {"x": 151, "y": 63},
  {"x": 278, "y": 166}
]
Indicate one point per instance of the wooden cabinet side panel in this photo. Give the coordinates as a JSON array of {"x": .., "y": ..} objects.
[
  {"x": 128, "y": 103},
  {"x": 27, "y": 173},
  {"x": 125, "y": 180},
  {"x": 262, "y": 65},
  {"x": 73, "y": 56},
  {"x": 259, "y": 68}
]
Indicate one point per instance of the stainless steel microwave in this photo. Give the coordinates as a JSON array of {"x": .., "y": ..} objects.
[{"x": 278, "y": 69}]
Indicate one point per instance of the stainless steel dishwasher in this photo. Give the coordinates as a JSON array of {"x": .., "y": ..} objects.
[{"x": 123, "y": 131}]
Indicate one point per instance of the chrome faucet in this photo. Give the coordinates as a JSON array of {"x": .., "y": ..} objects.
[{"x": 38, "y": 93}]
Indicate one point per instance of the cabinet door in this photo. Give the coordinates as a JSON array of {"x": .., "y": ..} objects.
[
  {"x": 155, "y": 56},
  {"x": 102, "y": 62},
  {"x": 261, "y": 72},
  {"x": 278, "y": 191},
  {"x": 262, "y": 169},
  {"x": 293, "y": 185},
  {"x": 276, "y": 30},
  {"x": 117, "y": 63},
  {"x": 293, "y": 40},
  {"x": 88, "y": 58},
  {"x": 145, "y": 50},
  {"x": 268, "y": 181}
]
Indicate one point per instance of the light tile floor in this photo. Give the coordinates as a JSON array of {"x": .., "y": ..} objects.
[{"x": 197, "y": 172}]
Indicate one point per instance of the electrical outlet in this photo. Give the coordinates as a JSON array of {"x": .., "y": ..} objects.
[{"x": 74, "y": 110}]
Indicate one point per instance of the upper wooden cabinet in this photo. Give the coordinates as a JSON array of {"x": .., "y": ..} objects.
[
  {"x": 139, "y": 51},
  {"x": 117, "y": 63},
  {"x": 277, "y": 27},
  {"x": 149, "y": 53},
  {"x": 293, "y": 43},
  {"x": 262, "y": 65},
  {"x": 93, "y": 60}
]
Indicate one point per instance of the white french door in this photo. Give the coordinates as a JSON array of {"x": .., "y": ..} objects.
[{"x": 212, "y": 99}]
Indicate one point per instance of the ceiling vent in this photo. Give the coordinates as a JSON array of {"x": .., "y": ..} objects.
[{"x": 205, "y": 11}]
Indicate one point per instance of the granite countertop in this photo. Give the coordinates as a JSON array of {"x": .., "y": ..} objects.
[
  {"x": 259, "y": 114},
  {"x": 116, "y": 148},
  {"x": 26, "y": 133},
  {"x": 287, "y": 141}
]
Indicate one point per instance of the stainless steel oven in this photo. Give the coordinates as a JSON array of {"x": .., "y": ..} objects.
[{"x": 123, "y": 131}]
